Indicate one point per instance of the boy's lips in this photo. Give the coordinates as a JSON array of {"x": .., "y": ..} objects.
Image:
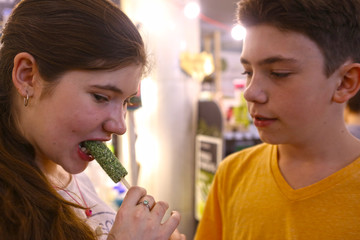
[{"x": 262, "y": 121}]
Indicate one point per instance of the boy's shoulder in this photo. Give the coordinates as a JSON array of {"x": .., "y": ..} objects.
[
  {"x": 261, "y": 150},
  {"x": 251, "y": 155},
  {"x": 246, "y": 162}
]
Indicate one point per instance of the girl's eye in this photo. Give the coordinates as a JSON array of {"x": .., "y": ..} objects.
[
  {"x": 129, "y": 102},
  {"x": 100, "y": 98}
]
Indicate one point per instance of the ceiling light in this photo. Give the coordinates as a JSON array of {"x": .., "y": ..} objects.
[
  {"x": 238, "y": 32},
  {"x": 192, "y": 10}
]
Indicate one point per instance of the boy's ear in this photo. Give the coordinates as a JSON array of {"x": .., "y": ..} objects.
[
  {"x": 349, "y": 84},
  {"x": 23, "y": 73}
]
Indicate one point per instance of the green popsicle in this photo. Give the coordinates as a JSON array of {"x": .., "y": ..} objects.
[{"x": 107, "y": 160}]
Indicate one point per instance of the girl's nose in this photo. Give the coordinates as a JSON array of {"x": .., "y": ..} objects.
[{"x": 116, "y": 123}]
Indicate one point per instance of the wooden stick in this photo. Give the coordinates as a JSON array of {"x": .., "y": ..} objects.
[{"x": 126, "y": 184}]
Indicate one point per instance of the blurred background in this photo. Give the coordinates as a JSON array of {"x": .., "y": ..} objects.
[{"x": 222, "y": 17}]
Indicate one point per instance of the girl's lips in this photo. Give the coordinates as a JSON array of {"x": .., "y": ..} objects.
[
  {"x": 84, "y": 156},
  {"x": 263, "y": 122}
]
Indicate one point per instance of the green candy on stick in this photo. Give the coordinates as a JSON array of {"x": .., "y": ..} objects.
[{"x": 108, "y": 161}]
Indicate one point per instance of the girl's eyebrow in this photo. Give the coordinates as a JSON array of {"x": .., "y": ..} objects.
[
  {"x": 112, "y": 88},
  {"x": 109, "y": 87}
]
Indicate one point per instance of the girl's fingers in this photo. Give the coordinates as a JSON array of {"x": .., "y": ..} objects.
[
  {"x": 159, "y": 210},
  {"x": 169, "y": 226},
  {"x": 140, "y": 214},
  {"x": 176, "y": 235},
  {"x": 147, "y": 201},
  {"x": 132, "y": 197}
]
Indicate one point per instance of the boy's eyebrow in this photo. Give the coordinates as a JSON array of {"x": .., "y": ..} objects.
[{"x": 270, "y": 60}]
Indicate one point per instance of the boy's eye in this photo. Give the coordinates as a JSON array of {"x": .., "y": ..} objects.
[
  {"x": 247, "y": 73},
  {"x": 100, "y": 98},
  {"x": 280, "y": 74}
]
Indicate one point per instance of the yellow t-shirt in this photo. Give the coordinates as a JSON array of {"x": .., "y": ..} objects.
[{"x": 250, "y": 200}]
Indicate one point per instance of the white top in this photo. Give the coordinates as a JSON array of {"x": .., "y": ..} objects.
[{"x": 102, "y": 217}]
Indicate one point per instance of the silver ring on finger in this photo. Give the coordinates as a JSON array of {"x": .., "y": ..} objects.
[{"x": 146, "y": 204}]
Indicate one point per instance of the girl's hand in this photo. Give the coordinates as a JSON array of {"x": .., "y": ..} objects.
[
  {"x": 140, "y": 217},
  {"x": 176, "y": 235}
]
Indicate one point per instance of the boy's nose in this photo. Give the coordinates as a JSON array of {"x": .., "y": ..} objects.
[{"x": 255, "y": 91}]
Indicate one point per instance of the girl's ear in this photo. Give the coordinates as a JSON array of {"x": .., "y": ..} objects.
[
  {"x": 350, "y": 83},
  {"x": 23, "y": 74}
]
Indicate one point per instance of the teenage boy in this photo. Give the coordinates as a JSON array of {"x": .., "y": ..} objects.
[{"x": 301, "y": 60}]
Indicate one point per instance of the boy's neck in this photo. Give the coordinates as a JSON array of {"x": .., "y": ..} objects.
[{"x": 302, "y": 167}]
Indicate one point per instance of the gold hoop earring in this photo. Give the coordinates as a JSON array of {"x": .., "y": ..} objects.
[{"x": 26, "y": 100}]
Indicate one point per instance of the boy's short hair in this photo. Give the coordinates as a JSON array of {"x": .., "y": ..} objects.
[{"x": 334, "y": 25}]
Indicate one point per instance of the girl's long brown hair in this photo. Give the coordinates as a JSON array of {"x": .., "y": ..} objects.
[{"x": 61, "y": 35}]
